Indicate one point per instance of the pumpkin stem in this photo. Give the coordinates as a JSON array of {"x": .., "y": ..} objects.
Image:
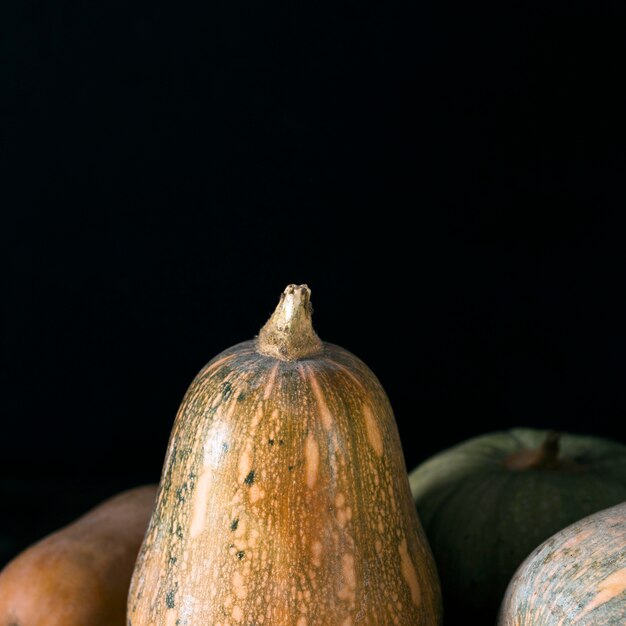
[
  {"x": 544, "y": 457},
  {"x": 288, "y": 334},
  {"x": 548, "y": 453}
]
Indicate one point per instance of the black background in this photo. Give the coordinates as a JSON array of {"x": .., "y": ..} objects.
[{"x": 451, "y": 188}]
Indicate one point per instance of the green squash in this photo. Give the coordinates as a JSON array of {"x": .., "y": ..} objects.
[{"x": 488, "y": 502}]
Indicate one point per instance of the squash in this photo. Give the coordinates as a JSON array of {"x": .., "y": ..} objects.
[
  {"x": 578, "y": 576},
  {"x": 79, "y": 575},
  {"x": 284, "y": 499},
  {"x": 488, "y": 502}
]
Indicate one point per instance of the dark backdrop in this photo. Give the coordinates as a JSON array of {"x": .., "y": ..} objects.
[{"x": 450, "y": 187}]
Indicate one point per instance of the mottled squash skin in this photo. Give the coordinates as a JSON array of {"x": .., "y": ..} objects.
[
  {"x": 284, "y": 501},
  {"x": 79, "y": 576},
  {"x": 483, "y": 516},
  {"x": 578, "y": 576}
]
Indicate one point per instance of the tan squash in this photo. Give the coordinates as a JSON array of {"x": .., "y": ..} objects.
[
  {"x": 79, "y": 575},
  {"x": 578, "y": 576},
  {"x": 284, "y": 499}
]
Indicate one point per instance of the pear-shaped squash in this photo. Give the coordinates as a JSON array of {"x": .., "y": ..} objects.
[
  {"x": 489, "y": 501},
  {"x": 578, "y": 576},
  {"x": 79, "y": 575},
  {"x": 284, "y": 499}
]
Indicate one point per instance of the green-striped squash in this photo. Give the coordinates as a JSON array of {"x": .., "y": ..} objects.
[{"x": 578, "y": 576}]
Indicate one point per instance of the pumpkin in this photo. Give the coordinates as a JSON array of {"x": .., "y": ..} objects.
[
  {"x": 578, "y": 576},
  {"x": 487, "y": 503},
  {"x": 284, "y": 498},
  {"x": 79, "y": 575}
]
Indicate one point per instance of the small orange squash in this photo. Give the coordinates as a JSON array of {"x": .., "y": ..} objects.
[
  {"x": 79, "y": 575},
  {"x": 284, "y": 499},
  {"x": 578, "y": 576}
]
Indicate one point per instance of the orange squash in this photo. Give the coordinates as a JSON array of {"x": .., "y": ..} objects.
[
  {"x": 284, "y": 499},
  {"x": 79, "y": 575},
  {"x": 578, "y": 576}
]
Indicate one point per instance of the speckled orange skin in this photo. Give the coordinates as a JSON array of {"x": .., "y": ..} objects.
[
  {"x": 79, "y": 576},
  {"x": 576, "y": 577},
  {"x": 284, "y": 501}
]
